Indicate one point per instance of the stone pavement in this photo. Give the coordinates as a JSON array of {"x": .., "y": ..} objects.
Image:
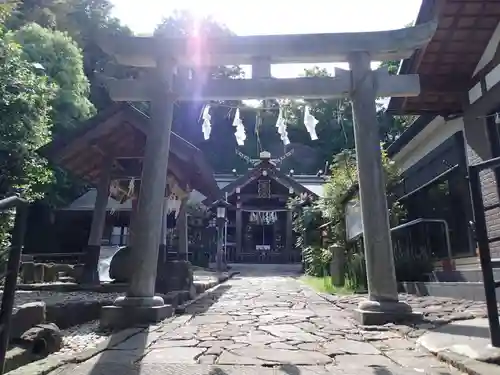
[{"x": 262, "y": 324}]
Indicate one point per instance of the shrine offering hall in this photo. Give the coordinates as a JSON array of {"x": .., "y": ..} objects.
[{"x": 259, "y": 226}]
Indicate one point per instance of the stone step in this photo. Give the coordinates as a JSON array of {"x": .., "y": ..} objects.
[
  {"x": 465, "y": 275},
  {"x": 472, "y": 291}
]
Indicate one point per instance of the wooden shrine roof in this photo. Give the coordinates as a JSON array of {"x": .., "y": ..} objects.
[
  {"x": 121, "y": 131},
  {"x": 275, "y": 174},
  {"x": 447, "y": 64}
]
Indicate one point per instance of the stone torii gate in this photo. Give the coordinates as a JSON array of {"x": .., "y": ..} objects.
[{"x": 176, "y": 71}]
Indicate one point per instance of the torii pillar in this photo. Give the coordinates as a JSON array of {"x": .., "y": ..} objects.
[
  {"x": 383, "y": 305},
  {"x": 140, "y": 305},
  {"x": 361, "y": 84}
]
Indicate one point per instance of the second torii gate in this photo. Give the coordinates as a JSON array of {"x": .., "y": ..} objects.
[{"x": 169, "y": 60}]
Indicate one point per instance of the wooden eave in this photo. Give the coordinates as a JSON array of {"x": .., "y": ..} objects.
[
  {"x": 121, "y": 132},
  {"x": 447, "y": 64},
  {"x": 255, "y": 173}
]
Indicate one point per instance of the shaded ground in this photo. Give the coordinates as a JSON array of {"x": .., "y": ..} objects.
[{"x": 263, "y": 322}]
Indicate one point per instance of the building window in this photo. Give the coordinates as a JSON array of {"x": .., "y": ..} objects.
[{"x": 442, "y": 199}]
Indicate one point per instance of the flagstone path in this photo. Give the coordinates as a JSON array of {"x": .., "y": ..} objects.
[{"x": 263, "y": 324}]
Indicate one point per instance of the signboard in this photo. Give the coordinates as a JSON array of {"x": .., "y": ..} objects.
[
  {"x": 353, "y": 220},
  {"x": 263, "y": 247}
]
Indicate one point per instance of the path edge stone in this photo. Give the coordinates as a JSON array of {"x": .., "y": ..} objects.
[{"x": 466, "y": 364}]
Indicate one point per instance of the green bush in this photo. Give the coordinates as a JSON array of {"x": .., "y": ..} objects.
[
  {"x": 316, "y": 261},
  {"x": 355, "y": 269},
  {"x": 410, "y": 265}
]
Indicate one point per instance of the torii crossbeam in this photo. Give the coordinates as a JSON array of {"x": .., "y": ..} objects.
[{"x": 168, "y": 61}]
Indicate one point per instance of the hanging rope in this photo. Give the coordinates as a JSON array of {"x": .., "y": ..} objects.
[{"x": 258, "y": 123}]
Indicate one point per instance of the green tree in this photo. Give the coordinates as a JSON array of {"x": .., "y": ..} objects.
[
  {"x": 25, "y": 121},
  {"x": 62, "y": 62},
  {"x": 84, "y": 21},
  {"x": 6, "y": 8},
  {"x": 391, "y": 127},
  {"x": 54, "y": 34},
  {"x": 334, "y": 128}
]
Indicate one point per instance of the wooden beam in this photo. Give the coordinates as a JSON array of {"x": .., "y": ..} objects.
[
  {"x": 264, "y": 88},
  {"x": 242, "y": 50},
  {"x": 249, "y": 196},
  {"x": 174, "y": 167},
  {"x": 444, "y": 84}
]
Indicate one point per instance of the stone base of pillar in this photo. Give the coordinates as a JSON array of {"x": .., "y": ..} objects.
[
  {"x": 134, "y": 311},
  {"x": 121, "y": 317},
  {"x": 374, "y": 313}
]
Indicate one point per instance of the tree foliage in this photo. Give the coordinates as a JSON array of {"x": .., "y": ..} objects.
[
  {"x": 84, "y": 21},
  {"x": 61, "y": 60},
  {"x": 25, "y": 121}
]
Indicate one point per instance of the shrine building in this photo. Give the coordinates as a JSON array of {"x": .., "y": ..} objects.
[{"x": 259, "y": 226}]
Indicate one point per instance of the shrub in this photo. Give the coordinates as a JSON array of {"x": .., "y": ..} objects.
[
  {"x": 316, "y": 260},
  {"x": 356, "y": 271}
]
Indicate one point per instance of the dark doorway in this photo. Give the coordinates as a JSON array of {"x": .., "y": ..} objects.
[{"x": 263, "y": 235}]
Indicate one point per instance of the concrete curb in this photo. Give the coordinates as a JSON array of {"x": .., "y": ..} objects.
[{"x": 467, "y": 365}]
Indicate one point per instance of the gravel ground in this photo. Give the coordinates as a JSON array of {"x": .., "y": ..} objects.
[
  {"x": 82, "y": 337},
  {"x": 77, "y": 338}
]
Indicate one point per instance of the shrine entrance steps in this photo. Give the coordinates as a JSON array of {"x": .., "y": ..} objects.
[{"x": 256, "y": 270}]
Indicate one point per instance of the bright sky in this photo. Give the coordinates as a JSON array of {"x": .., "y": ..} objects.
[{"x": 276, "y": 16}]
